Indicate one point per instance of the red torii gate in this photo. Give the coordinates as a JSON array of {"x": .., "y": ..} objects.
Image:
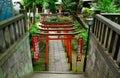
[{"x": 66, "y": 28}]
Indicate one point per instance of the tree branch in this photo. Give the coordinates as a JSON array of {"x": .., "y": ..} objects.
[{"x": 75, "y": 15}]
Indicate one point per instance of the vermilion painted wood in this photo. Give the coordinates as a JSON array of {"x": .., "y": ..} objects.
[
  {"x": 58, "y": 39},
  {"x": 66, "y": 35},
  {"x": 63, "y": 29},
  {"x": 58, "y": 34},
  {"x": 56, "y": 26}
]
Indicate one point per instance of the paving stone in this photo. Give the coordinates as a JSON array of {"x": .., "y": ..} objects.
[{"x": 57, "y": 56}]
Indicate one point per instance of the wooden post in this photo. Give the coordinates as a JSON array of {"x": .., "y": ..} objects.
[
  {"x": 70, "y": 51},
  {"x": 46, "y": 57}
]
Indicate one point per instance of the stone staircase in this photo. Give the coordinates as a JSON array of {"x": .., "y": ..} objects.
[{"x": 52, "y": 74}]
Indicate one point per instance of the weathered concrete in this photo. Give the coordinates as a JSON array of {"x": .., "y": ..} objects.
[
  {"x": 16, "y": 61},
  {"x": 99, "y": 63}
]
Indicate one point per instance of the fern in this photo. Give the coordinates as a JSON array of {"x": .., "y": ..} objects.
[{"x": 106, "y": 6}]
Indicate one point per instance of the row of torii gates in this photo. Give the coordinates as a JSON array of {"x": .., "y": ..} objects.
[{"x": 61, "y": 31}]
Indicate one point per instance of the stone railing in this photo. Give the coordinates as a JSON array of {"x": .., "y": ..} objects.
[
  {"x": 15, "y": 55},
  {"x": 104, "y": 52},
  {"x": 107, "y": 33},
  {"x": 11, "y": 30},
  {"x": 112, "y": 16}
]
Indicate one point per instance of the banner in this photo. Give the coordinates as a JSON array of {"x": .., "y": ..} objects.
[
  {"x": 79, "y": 54},
  {"x": 35, "y": 45}
]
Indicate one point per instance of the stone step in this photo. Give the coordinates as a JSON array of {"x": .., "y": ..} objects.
[{"x": 55, "y": 74}]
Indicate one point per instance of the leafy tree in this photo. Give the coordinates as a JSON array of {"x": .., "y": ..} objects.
[
  {"x": 43, "y": 3},
  {"x": 72, "y": 6},
  {"x": 29, "y": 3}
]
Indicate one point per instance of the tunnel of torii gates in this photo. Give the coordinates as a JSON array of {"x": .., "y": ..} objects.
[{"x": 62, "y": 31}]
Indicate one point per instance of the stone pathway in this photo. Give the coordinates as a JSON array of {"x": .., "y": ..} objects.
[
  {"x": 57, "y": 56},
  {"x": 58, "y": 67}
]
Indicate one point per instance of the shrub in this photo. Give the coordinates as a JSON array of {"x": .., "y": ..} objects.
[
  {"x": 86, "y": 12},
  {"x": 53, "y": 19},
  {"x": 65, "y": 19},
  {"x": 33, "y": 29}
]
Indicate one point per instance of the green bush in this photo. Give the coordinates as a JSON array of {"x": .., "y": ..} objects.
[
  {"x": 65, "y": 19},
  {"x": 86, "y": 12},
  {"x": 53, "y": 19},
  {"x": 33, "y": 29}
]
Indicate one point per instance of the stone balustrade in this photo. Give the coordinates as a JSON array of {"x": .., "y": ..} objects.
[
  {"x": 112, "y": 16},
  {"x": 107, "y": 33},
  {"x": 11, "y": 30},
  {"x": 104, "y": 53},
  {"x": 15, "y": 55}
]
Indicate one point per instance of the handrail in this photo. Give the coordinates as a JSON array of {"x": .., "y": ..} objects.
[
  {"x": 107, "y": 33},
  {"x": 109, "y": 23},
  {"x": 112, "y": 16},
  {"x": 11, "y": 30},
  {"x": 11, "y": 20}
]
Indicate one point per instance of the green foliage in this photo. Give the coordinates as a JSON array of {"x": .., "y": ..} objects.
[
  {"x": 53, "y": 19},
  {"x": 117, "y": 3},
  {"x": 38, "y": 18},
  {"x": 43, "y": 3},
  {"x": 73, "y": 5},
  {"x": 33, "y": 29},
  {"x": 82, "y": 34},
  {"x": 86, "y": 12},
  {"x": 39, "y": 65},
  {"x": 106, "y": 6},
  {"x": 77, "y": 25},
  {"x": 69, "y": 4},
  {"x": 65, "y": 19}
]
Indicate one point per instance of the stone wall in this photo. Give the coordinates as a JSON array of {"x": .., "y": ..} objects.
[
  {"x": 99, "y": 62},
  {"x": 16, "y": 61}
]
